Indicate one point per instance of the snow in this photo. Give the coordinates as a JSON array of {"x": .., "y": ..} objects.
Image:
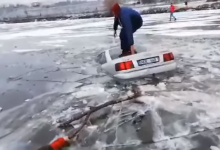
[
  {"x": 188, "y": 19},
  {"x": 214, "y": 148},
  {"x": 89, "y": 90},
  {"x": 25, "y": 50},
  {"x": 184, "y": 33},
  {"x": 39, "y": 32},
  {"x": 54, "y": 41},
  {"x": 193, "y": 95}
]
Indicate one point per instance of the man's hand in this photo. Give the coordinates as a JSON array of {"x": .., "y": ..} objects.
[
  {"x": 132, "y": 49},
  {"x": 115, "y": 33}
]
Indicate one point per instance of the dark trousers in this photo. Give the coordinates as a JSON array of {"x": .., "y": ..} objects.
[
  {"x": 125, "y": 46},
  {"x": 172, "y": 16}
]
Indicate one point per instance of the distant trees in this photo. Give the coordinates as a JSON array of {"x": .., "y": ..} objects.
[
  {"x": 148, "y": 1},
  {"x": 109, "y": 3},
  {"x": 36, "y": 4}
]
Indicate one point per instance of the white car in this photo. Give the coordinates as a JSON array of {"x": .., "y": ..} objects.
[{"x": 139, "y": 65}]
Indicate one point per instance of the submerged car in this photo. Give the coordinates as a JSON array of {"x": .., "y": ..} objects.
[{"x": 139, "y": 65}]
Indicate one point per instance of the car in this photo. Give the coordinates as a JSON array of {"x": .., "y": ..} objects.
[{"x": 139, "y": 65}]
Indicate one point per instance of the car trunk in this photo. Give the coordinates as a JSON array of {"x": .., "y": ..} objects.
[{"x": 143, "y": 60}]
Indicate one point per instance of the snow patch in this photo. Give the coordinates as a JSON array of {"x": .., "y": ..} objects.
[
  {"x": 95, "y": 34},
  {"x": 184, "y": 33},
  {"x": 200, "y": 78},
  {"x": 214, "y": 148},
  {"x": 33, "y": 33},
  {"x": 174, "y": 25},
  {"x": 54, "y": 41},
  {"x": 26, "y": 50},
  {"x": 57, "y": 45},
  {"x": 89, "y": 91},
  {"x": 146, "y": 88}
]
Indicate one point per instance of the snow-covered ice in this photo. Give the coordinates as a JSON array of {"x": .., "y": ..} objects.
[{"x": 181, "y": 106}]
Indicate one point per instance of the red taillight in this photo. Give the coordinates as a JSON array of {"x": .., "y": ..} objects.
[
  {"x": 168, "y": 57},
  {"x": 124, "y": 66}
]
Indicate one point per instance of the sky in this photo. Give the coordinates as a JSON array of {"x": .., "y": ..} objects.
[{"x": 29, "y": 1}]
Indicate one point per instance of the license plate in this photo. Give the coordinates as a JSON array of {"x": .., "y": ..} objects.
[{"x": 148, "y": 61}]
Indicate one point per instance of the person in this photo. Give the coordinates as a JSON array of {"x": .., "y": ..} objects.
[
  {"x": 58, "y": 144},
  {"x": 130, "y": 21},
  {"x": 186, "y": 3},
  {"x": 172, "y": 9}
]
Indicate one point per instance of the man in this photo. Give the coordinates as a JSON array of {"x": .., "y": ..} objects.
[
  {"x": 130, "y": 21},
  {"x": 172, "y": 9},
  {"x": 58, "y": 144}
]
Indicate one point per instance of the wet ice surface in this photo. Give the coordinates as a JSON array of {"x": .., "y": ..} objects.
[{"x": 48, "y": 73}]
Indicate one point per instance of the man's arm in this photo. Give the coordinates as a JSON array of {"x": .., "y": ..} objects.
[
  {"x": 116, "y": 23},
  {"x": 48, "y": 147}
]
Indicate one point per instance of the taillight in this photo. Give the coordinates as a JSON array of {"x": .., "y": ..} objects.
[
  {"x": 168, "y": 57},
  {"x": 124, "y": 66}
]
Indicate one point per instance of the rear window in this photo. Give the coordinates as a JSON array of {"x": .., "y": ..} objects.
[
  {"x": 101, "y": 59},
  {"x": 116, "y": 51}
]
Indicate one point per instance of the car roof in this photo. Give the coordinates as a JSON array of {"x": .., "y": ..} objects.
[{"x": 116, "y": 51}]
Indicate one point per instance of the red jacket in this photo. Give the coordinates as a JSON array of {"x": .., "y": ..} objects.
[{"x": 172, "y": 8}]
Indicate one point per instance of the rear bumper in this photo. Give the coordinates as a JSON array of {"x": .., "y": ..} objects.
[{"x": 146, "y": 72}]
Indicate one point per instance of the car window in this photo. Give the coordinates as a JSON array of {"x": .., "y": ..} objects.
[
  {"x": 115, "y": 52},
  {"x": 98, "y": 58},
  {"x": 101, "y": 59}
]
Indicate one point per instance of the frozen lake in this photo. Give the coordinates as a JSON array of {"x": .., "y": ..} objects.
[{"x": 48, "y": 71}]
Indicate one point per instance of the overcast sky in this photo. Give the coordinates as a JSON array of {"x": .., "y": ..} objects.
[{"x": 27, "y": 1}]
